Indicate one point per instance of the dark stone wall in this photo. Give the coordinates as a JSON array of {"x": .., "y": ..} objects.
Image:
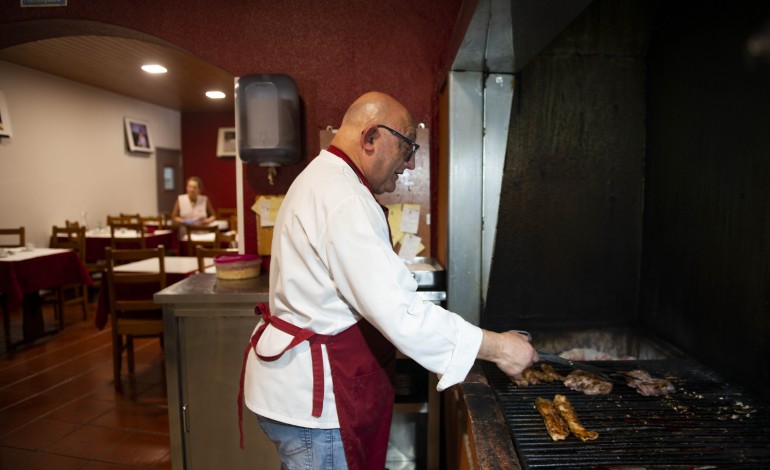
[
  {"x": 570, "y": 224},
  {"x": 705, "y": 278}
]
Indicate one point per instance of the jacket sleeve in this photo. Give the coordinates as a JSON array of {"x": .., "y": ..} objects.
[{"x": 380, "y": 288}]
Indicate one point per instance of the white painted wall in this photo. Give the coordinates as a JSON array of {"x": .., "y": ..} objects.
[{"x": 68, "y": 153}]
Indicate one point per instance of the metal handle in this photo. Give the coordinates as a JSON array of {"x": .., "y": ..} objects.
[{"x": 185, "y": 418}]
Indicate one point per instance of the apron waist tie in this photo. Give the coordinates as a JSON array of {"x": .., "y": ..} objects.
[{"x": 298, "y": 335}]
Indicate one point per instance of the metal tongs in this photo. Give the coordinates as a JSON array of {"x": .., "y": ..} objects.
[{"x": 556, "y": 359}]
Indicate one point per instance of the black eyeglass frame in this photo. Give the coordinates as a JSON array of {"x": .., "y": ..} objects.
[{"x": 415, "y": 146}]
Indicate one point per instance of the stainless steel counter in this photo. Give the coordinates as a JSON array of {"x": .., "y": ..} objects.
[{"x": 207, "y": 324}]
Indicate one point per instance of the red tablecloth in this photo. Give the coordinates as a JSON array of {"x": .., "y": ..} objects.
[{"x": 48, "y": 271}]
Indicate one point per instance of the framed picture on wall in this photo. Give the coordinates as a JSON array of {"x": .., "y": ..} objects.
[
  {"x": 226, "y": 142},
  {"x": 138, "y": 135},
  {"x": 5, "y": 118}
]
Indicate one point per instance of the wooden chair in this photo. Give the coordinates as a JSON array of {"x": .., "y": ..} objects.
[
  {"x": 230, "y": 214},
  {"x": 68, "y": 294},
  {"x": 136, "y": 240},
  {"x": 16, "y": 235},
  {"x": 202, "y": 253},
  {"x": 192, "y": 230},
  {"x": 134, "y": 315}
]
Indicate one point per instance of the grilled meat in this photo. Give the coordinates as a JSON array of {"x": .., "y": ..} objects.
[
  {"x": 567, "y": 412},
  {"x": 647, "y": 385},
  {"x": 587, "y": 383},
  {"x": 532, "y": 376},
  {"x": 554, "y": 424}
]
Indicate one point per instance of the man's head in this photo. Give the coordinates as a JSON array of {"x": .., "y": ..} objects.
[{"x": 378, "y": 134}]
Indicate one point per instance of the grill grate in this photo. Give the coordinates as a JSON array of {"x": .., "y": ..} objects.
[{"x": 706, "y": 423}]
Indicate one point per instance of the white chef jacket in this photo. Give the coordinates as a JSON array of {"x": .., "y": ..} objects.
[{"x": 332, "y": 263}]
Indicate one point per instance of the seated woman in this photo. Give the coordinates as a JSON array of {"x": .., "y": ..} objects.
[{"x": 193, "y": 208}]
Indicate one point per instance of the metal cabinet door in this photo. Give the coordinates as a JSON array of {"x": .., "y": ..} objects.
[{"x": 211, "y": 348}]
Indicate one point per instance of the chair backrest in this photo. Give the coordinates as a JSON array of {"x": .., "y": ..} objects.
[
  {"x": 124, "y": 235},
  {"x": 230, "y": 214},
  {"x": 202, "y": 253},
  {"x": 131, "y": 218},
  {"x": 72, "y": 238},
  {"x": 141, "y": 285},
  {"x": 12, "y": 237},
  {"x": 203, "y": 230},
  {"x": 72, "y": 224}
]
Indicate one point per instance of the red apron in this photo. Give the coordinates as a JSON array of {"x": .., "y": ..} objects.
[{"x": 362, "y": 366}]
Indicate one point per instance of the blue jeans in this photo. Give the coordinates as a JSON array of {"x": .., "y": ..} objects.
[{"x": 305, "y": 448}]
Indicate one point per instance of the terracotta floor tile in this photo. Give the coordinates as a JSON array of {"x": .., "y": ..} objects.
[
  {"x": 38, "y": 434},
  {"x": 139, "y": 448},
  {"x": 94, "y": 465},
  {"x": 88, "y": 441},
  {"x": 12, "y": 420},
  {"x": 134, "y": 416},
  {"x": 54, "y": 390},
  {"x": 13, "y": 458},
  {"x": 9, "y": 396},
  {"x": 45, "y": 461},
  {"x": 82, "y": 411}
]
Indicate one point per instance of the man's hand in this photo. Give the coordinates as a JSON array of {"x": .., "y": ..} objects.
[{"x": 511, "y": 351}]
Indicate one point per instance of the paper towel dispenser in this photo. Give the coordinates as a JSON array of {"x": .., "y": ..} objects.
[{"x": 267, "y": 122}]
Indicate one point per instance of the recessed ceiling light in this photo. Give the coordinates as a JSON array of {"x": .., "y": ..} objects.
[
  {"x": 215, "y": 95},
  {"x": 154, "y": 68}
]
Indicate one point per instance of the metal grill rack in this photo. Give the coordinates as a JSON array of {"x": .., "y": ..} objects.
[{"x": 706, "y": 423}]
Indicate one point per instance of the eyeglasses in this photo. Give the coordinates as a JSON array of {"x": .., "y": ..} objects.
[{"x": 408, "y": 141}]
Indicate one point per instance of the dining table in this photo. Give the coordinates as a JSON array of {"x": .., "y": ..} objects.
[
  {"x": 99, "y": 238},
  {"x": 24, "y": 273},
  {"x": 176, "y": 267}
]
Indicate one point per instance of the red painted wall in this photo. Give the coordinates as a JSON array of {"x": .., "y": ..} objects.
[
  {"x": 199, "y": 156},
  {"x": 335, "y": 50}
]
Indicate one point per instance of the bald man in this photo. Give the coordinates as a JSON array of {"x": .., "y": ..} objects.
[{"x": 319, "y": 368}]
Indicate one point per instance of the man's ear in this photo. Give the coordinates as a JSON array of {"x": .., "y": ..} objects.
[{"x": 368, "y": 137}]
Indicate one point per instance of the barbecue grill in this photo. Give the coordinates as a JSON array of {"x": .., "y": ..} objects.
[{"x": 705, "y": 423}]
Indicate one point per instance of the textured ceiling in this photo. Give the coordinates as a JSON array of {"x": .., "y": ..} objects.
[{"x": 113, "y": 64}]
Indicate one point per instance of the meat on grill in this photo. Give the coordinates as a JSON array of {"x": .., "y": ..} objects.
[
  {"x": 582, "y": 381},
  {"x": 554, "y": 424},
  {"x": 532, "y": 376},
  {"x": 648, "y": 385},
  {"x": 567, "y": 412}
]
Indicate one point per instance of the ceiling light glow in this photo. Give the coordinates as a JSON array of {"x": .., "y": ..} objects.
[
  {"x": 154, "y": 68},
  {"x": 215, "y": 95}
]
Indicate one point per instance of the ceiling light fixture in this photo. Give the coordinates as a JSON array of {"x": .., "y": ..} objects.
[
  {"x": 215, "y": 95},
  {"x": 154, "y": 68}
]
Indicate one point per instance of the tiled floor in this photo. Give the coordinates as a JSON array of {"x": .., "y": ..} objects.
[{"x": 59, "y": 409}]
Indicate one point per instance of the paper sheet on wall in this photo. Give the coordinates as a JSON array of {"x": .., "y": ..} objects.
[
  {"x": 410, "y": 246},
  {"x": 410, "y": 218},
  {"x": 267, "y": 208}
]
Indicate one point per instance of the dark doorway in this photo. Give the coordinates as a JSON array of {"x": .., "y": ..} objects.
[{"x": 168, "y": 168}]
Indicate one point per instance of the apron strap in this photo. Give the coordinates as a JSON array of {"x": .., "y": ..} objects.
[{"x": 298, "y": 335}]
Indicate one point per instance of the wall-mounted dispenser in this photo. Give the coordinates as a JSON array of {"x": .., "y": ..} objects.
[{"x": 267, "y": 122}]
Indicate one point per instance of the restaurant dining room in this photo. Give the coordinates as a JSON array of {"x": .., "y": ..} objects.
[
  {"x": 97, "y": 147},
  {"x": 584, "y": 180}
]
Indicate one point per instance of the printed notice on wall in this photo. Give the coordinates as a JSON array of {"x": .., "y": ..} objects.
[
  {"x": 43, "y": 3},
  {"x": 410, "y": 246},
  {"x": 410, "y": 218}
]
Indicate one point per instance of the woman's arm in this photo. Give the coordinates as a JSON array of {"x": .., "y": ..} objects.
[
  {"x": 175, "y": 213},
  {"x": 210, "y": 212}
]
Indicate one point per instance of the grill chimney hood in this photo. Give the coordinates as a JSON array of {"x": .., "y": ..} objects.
[{"x": 502, "y": 37}]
